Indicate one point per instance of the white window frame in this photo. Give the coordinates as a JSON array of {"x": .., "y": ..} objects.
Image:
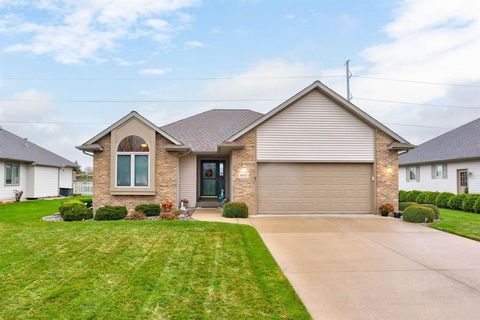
[
  {"x": 132, "y": 168},
  {"x": 5, "y": 174},
  {"x": 437, "y": 165}
]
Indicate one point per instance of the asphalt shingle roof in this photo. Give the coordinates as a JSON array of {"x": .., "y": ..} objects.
[
  {"x": 204, "y": 131},
  {"x": 460, "y": 143},
  {"x": 17, "y": 148}
]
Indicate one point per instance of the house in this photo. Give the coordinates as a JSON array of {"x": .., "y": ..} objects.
[
  {"x": 314, "y": 153},
  {"x": 32, "y": 169},
  {"x": 447, "y": 163}
]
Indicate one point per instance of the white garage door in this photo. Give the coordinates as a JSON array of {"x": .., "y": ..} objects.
[{"x": 314, "y": 188}]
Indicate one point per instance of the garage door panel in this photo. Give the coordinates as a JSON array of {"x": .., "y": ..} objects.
[{"x": 314, "y": 188}]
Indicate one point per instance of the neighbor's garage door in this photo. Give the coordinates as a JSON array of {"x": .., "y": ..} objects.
[{"x": 314, "y": 188}]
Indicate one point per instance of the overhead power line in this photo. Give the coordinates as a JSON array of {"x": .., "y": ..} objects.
[
  {"x": 419, "y": 81},
  {"x": 107, "y": 123},
  {"x": 418, "y": 104}
]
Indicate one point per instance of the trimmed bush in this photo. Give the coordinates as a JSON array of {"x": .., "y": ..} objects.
[
  {"x": 235, "y": 210},
  {"x": 111, "y": 213},
  {"x": 469, "y": 202},
  {"x": 418, "y": 214},
  {"x": 402, "y": 197},
  {"x": 456, "y": 202},
  {"x": 443, "y": 198},
  {"x": 87, "y": 202},
  {"x": 403, "y": 205},
  {"x": 435, "y": 209},
  {"x": 476, "y": 206},
  {"x": 422, "y": 196},
  {"x": 74, "y": 210},
  {"x": 431, "y": 198},
  {"x": 149, "y": 210},
  {"x": 412, "y": 196}
]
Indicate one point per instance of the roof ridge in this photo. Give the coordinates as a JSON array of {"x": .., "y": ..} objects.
[{"x": 36, "y": 145}]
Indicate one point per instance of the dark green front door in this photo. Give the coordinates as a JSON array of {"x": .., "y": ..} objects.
[{"x": 212, "y": 178}]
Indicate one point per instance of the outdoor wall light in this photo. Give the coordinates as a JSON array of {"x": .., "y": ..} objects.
[{"x": 389, "y": 167}]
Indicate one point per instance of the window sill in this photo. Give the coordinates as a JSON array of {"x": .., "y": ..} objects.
[{"x": 133, "y": 192}]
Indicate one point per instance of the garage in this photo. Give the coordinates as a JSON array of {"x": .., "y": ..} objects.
[{"x": 315, "y": 188}]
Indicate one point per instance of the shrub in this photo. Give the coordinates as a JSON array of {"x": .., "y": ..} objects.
[
  {"x": 74, "y": 211},
  {"x": 111, "y": 213},
  {"x": 403, "y": 205},
  {"x": 412, "y": 196},
  {"x": 435, "y": 209},
  {"x": 402, "y": 196},
  {"x": 422, "y": 196},
  {"x": 476, "y": 206},
  {"x": 431, "y": 198},
  {"x": 469, "y": 202},
  {"x": 418, "y": 214},
  {"x": 88, "y": 202},
  {"x": 456, "y": 202},
  {"x": 386, "y": 208},
  {"x": 442, "y": 199},
  {"x": 149, "y": 210},
  {"x": 235, "y": 210}
]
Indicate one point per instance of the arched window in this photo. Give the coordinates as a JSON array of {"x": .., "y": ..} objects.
[{"x": 133, "y": 162}]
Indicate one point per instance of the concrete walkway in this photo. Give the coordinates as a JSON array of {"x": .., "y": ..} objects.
[{"x": 369, "y": 267}]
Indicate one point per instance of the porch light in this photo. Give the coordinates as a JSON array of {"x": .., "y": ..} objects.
[{"x": 389, "y": 167}]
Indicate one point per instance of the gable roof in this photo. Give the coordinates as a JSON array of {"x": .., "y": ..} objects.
[
  {"x": 13, "y": 147},
  {"x": 205, "y": 131},
  {"x": 91, "y": 144},
  {"x": 459, "y": 143},
  {"x": 317, "y": 85}
]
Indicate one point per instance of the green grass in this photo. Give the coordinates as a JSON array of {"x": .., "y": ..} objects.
[
  {"x": 136, "y": 269},
  {"x": 465, "y": 224}
]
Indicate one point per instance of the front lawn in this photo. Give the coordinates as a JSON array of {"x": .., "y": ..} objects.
[
  {"x": 136, "y": 269},
  {"x": 465, "y": 224}
]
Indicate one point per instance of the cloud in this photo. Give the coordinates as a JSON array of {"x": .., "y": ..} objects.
[
  {"x": 289, "y": 16},
  {"x": 79, "y": 30},
  {"x": 154, "y": 71},
  {"x": 30, "y": 105},
  {"x": 194, "y": 44}
]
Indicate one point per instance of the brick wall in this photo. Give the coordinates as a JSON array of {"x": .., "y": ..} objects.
[
  {"x": 245, "y": 189},
  {"x": 386, "y": 180},
  {"x": 166, "y": 173}
]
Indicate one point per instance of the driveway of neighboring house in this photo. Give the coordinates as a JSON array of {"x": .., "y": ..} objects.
[{"x": 369, "y": 267}]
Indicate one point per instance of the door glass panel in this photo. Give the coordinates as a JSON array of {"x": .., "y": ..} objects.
[
  {"x": 141, "y": 170},
  {"x": 209, "y": 178},
  {"x": 463, "y": 179},
  {"x": 123, "y": 170}
]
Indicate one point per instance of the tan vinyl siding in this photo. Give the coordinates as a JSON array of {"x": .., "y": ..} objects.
[
  {"x": 315, "y": 129},
  {"x": 188, "y": 179}
]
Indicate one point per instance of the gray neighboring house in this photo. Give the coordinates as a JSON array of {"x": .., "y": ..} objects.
[
  {"x": 449, "y": 162},
  {"x": 34, "y": 170}
]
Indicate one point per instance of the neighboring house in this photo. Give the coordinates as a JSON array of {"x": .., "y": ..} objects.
[
  {"x": 28, "y": 167},
  {"x": 450, "y": 162},
  {"x": 314, "y": 153}
]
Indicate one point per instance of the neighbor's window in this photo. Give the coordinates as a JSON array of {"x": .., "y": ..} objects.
[
  {"x": 438, "y": 171},
  {"x": 132, "y": 162},
  {"x": 12, "y": 174},
  {"x": 412, "y": 173}
]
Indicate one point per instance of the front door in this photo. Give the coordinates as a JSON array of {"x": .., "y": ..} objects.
[
  {"x": 462, "y": 181},
  {"x": 212, "y": 178}
]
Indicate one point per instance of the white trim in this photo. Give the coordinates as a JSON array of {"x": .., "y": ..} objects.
[
  {"x": 317, "y": 85},
  {"x": 136, "y": 115}
]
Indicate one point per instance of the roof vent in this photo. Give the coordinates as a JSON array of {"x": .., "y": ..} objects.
[{"x": 25, "y": 142}]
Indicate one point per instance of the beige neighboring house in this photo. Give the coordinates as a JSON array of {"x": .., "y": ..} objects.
[
  {"x": 27, "y": 167},
  {"x": 314, "y": 153}
]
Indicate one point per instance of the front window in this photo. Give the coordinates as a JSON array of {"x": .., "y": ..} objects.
[
  {"x": 12, "y": 174},
  {"x": 132, "y": 162},
  {"x": 413, "y": 173}
]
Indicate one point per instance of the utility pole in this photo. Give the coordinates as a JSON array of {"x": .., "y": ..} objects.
[{"x": 348, "y": 75}]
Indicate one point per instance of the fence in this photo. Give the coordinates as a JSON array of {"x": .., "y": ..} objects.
[{"x": 83, "y": 187}]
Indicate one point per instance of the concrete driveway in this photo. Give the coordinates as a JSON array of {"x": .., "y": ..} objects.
[{"x": 368, "y": 267}]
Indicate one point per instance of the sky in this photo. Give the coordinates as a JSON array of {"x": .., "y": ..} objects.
[{"x": 70, "y": 68}]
